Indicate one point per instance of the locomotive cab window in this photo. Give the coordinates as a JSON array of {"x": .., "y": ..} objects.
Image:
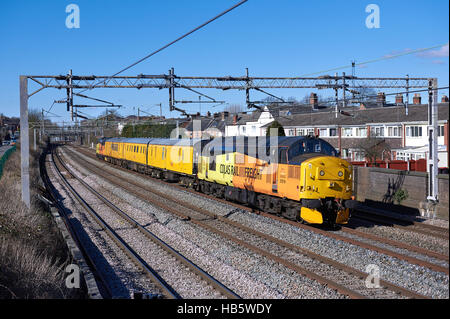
[
  {"x": 212, "y": 163},
  {"x": 317, "y": 148},
  {"x": 283, "y": 156}
]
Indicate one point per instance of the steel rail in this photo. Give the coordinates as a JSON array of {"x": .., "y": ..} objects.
[
  {"x": 163, "y": 205},
  {"x": 225, "y": 291},
  {"x": 393, "y": 287},
  {"x": 166, "y": 290},
  {"x": 381, "y": 250},
  {"x": 429, "y": 230},
  {"x": 396, "y": 243},
  {"x": 72, "y": 233}
]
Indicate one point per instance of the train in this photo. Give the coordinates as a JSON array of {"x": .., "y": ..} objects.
[{"x": 301, "y": 178}]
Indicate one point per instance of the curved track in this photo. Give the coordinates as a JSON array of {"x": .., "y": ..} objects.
[{"x": 167, "y": 290}]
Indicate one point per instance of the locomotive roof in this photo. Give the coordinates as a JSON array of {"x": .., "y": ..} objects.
[{"x": 231, "y": 143}]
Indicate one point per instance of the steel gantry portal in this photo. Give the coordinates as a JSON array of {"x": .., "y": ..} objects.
[{"x": 245, "y": 83}]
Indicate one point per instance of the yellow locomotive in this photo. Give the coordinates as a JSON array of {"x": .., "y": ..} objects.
[{"x": 300, "y": 178}]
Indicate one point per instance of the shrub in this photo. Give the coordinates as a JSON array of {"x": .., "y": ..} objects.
[{"x": 400, "y": 195}]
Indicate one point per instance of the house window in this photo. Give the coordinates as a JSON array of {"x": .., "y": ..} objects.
[
  {"x": 377, "y": 131},
  {"x": 394, "y": 131},
  {"x": 300, "y": 132},
  {"x": 359, "y": 156},
  {"x": 414, "y": 131},
  {"x": 348, "y": 131},
  {"x": 361, "y": 131},
  {"x": 323, "y": 132},
  {"x": 441, "y": 130},
  {"x": 344, "y": 153},
  {"x": 310, "y": 131},
  {"x": 333, "y": 132}
]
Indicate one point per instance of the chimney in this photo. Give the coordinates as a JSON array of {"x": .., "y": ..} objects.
[
  {"x": 362, "y": 106},
  {"x": 235, "y": 119},
  {"x": 399, "y": 99},
  {"x": 417, "y": 99},
  {"x": 208, "y": 114},
  {"x": 381, "y": 99},
  {"x": 444, "y": 99},
  {"x": 313, "y": 101},
  {"x": 225, "y": 115}
]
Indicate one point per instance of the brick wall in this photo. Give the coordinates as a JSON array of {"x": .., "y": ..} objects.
[{"x": 377, "y": 185}]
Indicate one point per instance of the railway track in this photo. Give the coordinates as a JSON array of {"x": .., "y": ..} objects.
[
  {"x": 317, "y": 267},
  {"x": 158, "y": 248},
  {"x": 407, "y": 252},
  {"x": 372, "y": 215}
]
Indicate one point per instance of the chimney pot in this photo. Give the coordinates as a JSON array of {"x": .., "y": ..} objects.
[
  {"x": 235, "y": 118},
  {"x": 313, "y": 101},
  {"x": 444, "y": 99},
  {"x": 399, "y": 99},
  {"x": 381, "y": 99},
  {"x": 417, "y": 99}
]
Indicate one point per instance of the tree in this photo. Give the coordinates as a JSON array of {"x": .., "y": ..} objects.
[
  {"x": 148, "y": 130},
  {"x": 365, "y": 95},
  {"x": 234, "y": 108},
  {"x": 374, "y": 148},
  {"x": 275, "y": 129}
]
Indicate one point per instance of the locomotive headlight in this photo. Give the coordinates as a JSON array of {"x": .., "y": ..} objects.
[
  {"x": 322, "y": 173},
  {"x": 340, "y": 173}
]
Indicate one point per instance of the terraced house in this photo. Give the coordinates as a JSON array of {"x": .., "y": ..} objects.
[{"x": 404, "y": 134}]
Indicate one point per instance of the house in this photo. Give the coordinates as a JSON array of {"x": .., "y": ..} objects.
[
  {"x": 207, "y": 126},
  {"x": 253, "y": 124},
  {"x": 405, "y": 134}
]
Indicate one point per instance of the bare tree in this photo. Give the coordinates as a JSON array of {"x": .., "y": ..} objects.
[
  {"x": 373, "y": 148},
  {"x": 234, "y": 108}
]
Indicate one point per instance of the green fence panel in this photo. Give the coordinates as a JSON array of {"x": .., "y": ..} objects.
[{"x": 5, "y": 158}]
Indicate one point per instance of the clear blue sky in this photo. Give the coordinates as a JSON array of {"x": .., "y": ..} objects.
[{"x": 271, "y": 38}]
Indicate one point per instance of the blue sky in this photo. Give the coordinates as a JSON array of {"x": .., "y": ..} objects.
[{"x": 271, "y": 38}]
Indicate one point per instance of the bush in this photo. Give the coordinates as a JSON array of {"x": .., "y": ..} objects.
[{"x": 400, "y": 195}]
